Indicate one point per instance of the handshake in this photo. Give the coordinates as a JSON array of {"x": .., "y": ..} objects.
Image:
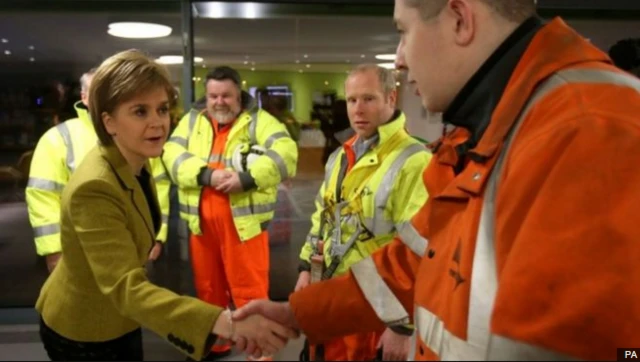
[{"x": 260, "y": 328}]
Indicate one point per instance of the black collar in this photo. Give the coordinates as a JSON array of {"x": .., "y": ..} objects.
[{"x": 474, "y": 105}]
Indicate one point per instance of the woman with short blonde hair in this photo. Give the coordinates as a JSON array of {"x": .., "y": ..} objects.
[{"x": 94, "y": 303}]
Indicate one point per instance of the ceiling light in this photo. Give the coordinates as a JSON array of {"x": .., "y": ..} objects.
[
  {"x": 362, "y": 55},
  {"x": 386, "y": 57},
  {"x": 306, "y": 55},
  {"x": 226, "y": 10},
  {"x": 32, "y": 59},
  {"x": 300, "y": 70},
  {"x": 4, "y": 40},
  {"x": 388, "y": 65},
  {"x": 297, "y": 61},
  {"x": 253, "y": 69},
  {"x": 308, "y": 65},
  {"x": 7, "y": 52},
  {"x": 31, "y": 47},
  {"x": 176, "y": 59},
  {"x": 138, "y": 30}
]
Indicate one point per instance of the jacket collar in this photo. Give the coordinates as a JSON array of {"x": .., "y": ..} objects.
[
  {"x": 122, "y": 169},
  {"x": 473, "y": 106},
  {"x": 82, "y": 112},
  {"x": 128, "y": 180},
  {"x": 555, "y": 47}
]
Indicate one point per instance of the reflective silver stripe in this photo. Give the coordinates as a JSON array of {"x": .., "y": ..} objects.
[
  {"x": 46, "y": 230},
  {"x": 251, "y": 210},
  {"x": 165, "y": 218},
  {"x": 66, "y": 137},
  {"x": 274, "y": 137},
  {"x": 188, "y": 209},
  {"x": 162, "y": 177},
  {"x": 282, "y": 167},
  {"x": 377, "y": 224},
  {"x": 506, "y": 349},
  {"x": 411, "y": 238},
  {"x": 193, "y": 117},
  {"x": 598, "y": 76},
  {"x": 331, "y": 162},
  {"x": 216, "y": 157},
  {"x": 430, "y": 329},
  {"x": 481, "y": 344},
  {"x": 449, "y": 347},
  {"x": 312, "y": 239},
  {"x": 42, "y": 184},
  {"x": 319, "y": 199},
  {"x": 387, "y": 307},
  {"x": 253, "y": 125},
  {"x": 176, "y": 164},
  {"x": 179, "y": 140}
]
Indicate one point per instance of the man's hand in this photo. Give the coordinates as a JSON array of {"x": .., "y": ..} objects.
[
  {"x": 52, "y": 261},
  {"x": 155, "y": 251},
  {"x": 230, "y": 184},
  {"x": 395, "y": 347},
  {"x": 280, "y": 313},
  {"x": 303, "y": 280},
  {"x": 218, "y": 176},
  {"x": 264, "y": 335}
]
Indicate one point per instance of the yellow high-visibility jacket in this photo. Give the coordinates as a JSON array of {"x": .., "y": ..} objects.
[{"x": 188, "y": 152}]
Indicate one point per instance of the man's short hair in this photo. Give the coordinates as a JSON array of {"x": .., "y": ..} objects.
[
  {"x": 386, "y": 77},
  {"x": 84, "y": 79},
  {"x": 513, "y": 10},
  {"x": 224, "y": 73}
]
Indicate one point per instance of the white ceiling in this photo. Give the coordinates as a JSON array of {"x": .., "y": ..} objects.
[{"x": 79, "y": 40}]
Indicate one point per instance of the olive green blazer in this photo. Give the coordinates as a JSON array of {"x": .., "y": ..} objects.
[{"x": 99, "y": 290}]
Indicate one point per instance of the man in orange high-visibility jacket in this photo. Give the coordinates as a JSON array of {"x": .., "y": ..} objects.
[{"x": 530, "y": 234}]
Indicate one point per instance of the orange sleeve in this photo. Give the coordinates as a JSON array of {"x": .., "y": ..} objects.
[
  {"x": 350, "y": 304},
  {"x": 568, "y": 239}
]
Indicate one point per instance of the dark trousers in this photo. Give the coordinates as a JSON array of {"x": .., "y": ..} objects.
[{"x": 125, "y": 348}]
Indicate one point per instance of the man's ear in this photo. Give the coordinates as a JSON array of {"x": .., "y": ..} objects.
[
  {"x": 462, "y": 12},
  {"x": 393, "y": 98}
]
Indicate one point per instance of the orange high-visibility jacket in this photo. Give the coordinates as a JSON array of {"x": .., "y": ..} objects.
[{"x": 533, "y": 254}]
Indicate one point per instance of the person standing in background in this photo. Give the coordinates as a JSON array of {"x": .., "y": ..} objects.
[
  {"x": 371, "y": 191},
  {"x": 227, "y": 162},
  {"x": 57, "y": 155}
]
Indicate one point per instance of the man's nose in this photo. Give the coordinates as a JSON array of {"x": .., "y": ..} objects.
[{"x": 400, "y": 63}]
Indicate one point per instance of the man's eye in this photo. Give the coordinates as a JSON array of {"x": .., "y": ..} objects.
[{"x": 141, "y": 112}]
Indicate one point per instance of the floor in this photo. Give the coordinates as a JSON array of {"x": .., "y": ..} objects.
[{"x": 22, "y": 272}]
